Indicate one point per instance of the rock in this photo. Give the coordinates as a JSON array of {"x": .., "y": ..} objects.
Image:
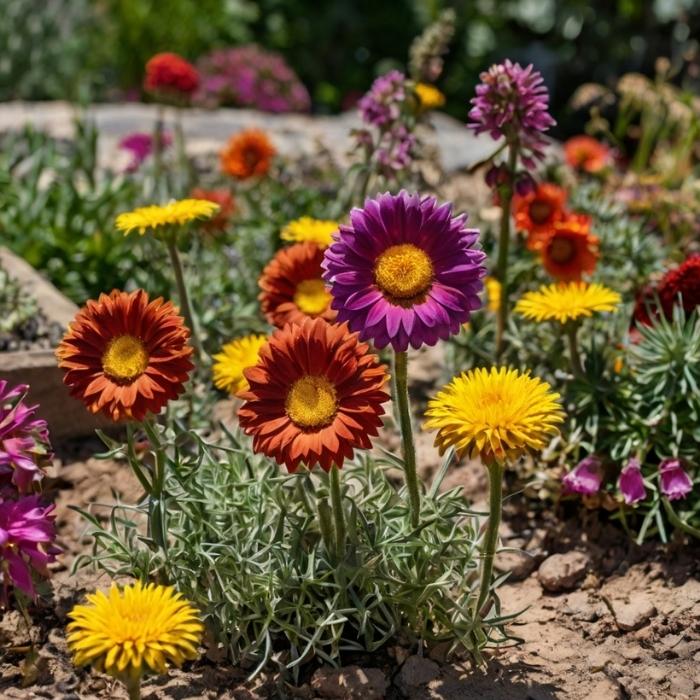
[
  {"x": 350, "y": 683},
  {"x": 633, "y": 616},
  {"x": 681, "y": 685},
  {"x": 631, "y": 653},
  {"x": 519, "y": 564},
  {"x": 561, "y": 572},
  {"x": 606, "y": 688},
  {"x": 417, "y": 671},
  {"x": 657, "y": 674}
]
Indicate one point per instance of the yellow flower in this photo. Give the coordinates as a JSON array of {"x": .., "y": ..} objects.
[
  {"x": 567, "y": 302},
  {"x": 174, "y": 213},
  {"x": 493, "y": 294},
  {"x": 234, "y": 357},
  {"x": 317, "y": 231},
  {"x": 131, "y": 632},
  {"x": 429, "y": 96},
  {"x": 496, "y": 412}
]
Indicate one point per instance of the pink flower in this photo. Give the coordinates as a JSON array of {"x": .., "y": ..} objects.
[
  {"x": 140, "y": 145},
  {"x": 631, "y": 482},
  {"x": 27, "y": 532},
  {"x": 675, "y": 482},
  {"x": 585, "y": 477},
  {"x": 24, "y": 440},
  {"x": 512, "y": 102}
]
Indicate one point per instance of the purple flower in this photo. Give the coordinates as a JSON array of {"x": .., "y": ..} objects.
[
  {"x": 405, "y": 271},
  {"x": 585, "y": 477},
  {"x": 140, "y": 145},
  {"x": 27, "y": 532},
  {"x": 249, "y": 76},
  {"x": 631, "y": 482},
  {"x": 382, "y": 104},
  {"x": 675, "y": 482},
  {"x": 24, "y": 440},
  {"x": 512, "y": 102}
]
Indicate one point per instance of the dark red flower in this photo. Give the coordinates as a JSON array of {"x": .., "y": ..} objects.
[{"x": 171, "y": 75}]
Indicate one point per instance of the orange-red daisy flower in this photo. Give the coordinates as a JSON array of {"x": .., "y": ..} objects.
[
  {"x": 570, "y": 250},
  {"x": 537, "y": 211},
  {"x": 315, "y": 395},
  {"x": 292, "y": 288},
  {"x": 125, "y": 355},
  {"x": 247, "y": 154},
  {"x": 227, "y": 206},
  {"x": 586, "y": 153}
]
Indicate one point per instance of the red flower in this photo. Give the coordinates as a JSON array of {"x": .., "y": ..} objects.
[
  {"x": 227, "y": 206},
  {"x": 570, "y": 250},
  {"x": 170, "y": 74},
  {"x": 585, "y": 153},
  {"x": 537, "y": 211}
]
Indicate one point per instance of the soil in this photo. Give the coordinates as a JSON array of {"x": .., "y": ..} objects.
[{"x": 623, "y": 621}]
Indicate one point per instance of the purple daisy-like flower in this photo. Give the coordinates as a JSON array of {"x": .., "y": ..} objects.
[
  {"x": 27, "y": 532},
  {"x": 24, "y": 439},
  {"x": 405, "y": 271},
  {"x": 675, "y": 481},
  {"x": 631, "y": 482},
  {"x": 512, "y": 102},
  {"x": 585, "y": 478}
]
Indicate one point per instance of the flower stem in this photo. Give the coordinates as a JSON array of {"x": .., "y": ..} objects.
[
  {"x": 182, "y": 293},
  {"x": 158, "y": 149},
  {"x": 574, "y": 355},
  {"x": 338, "y": 515},
  {"x": 506, "y": 193},
  {"x": 133, "y": 687},
  {"x": 183, "y": 164},
  {"x": 409, "y": 450},
  {"x": 488, "y": 548}
]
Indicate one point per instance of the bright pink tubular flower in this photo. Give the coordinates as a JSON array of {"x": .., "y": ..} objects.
[
  {"x": 585, "y": 478},
  {"x": 405, "y": 271},
  {"x": 24, "y": 440},
  {"x": 27, "y": 532},
  {"x": 631, "y": 482},
  {"x": 512, "y": 102},
  {"x": 675, "y": 481},
  {"x": 140, "y": 145}
]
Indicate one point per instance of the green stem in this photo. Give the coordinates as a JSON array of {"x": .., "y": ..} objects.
[
  {"x": 133, "y": 687},
  {"x": 325, "y": 524},
  {"x": 182, "y": 293},
  {"x": 488, "y": 548},
  {"x": 503, "y": 243},
  {"x": 338, "y": 515},
  {"x": 574, "y": 355},
  {"x": 183, "y": 165},
  {"x": 409, "y": 450},
  {"x": 158, "y": 149}
]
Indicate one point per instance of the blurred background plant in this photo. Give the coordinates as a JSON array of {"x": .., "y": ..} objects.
[{"x": 86, "y": 49}]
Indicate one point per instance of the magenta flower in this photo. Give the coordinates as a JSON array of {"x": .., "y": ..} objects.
[
  {"x": 675, "y": 482},
  {"x": 140, "y": 145},
  {"x": 405, "y": 271},
  {"x": 585, "y": 477},
  {"x": 382, "y": 104},
  {"x": 24, "y": 440},
  {"x": 631, "y": 482},
  {"x": 27, "y": 532},
  {"x": 511, "y": 102}
]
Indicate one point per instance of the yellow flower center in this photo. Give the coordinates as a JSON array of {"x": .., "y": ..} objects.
[
  {"x": 312, "y": 297},
  {"x": 125, "y": 358},
  {"x": 311, "y": 402},
  {"x": 561, "y": 250},
  {"x": 403, "y": 271},
  {"x": 540, "y": 211}
]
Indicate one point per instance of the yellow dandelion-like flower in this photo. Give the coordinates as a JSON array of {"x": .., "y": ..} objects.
[
  {"x": 493, "y": 294},
  {"x": 567, "y": 302},
  {"x": 429, "y": 96},
  {"x": 134, "y": 631},
  {"x": 175, "y": 213},
  {"x": 318, "y": 231},
  {"x": 496, "y": 412},
  {"x": 234, "y": 357}
]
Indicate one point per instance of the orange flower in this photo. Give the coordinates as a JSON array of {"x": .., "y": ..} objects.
[
  {"x": 537, "y": 211},
  {"x": 314, "y": 396},
  {"x": 125, "y": 355},
  {"x": 570, "y": 250},
  {"x": 292, "y": 288},
  {"x": 227, "y": 206},
  {"x": 586, "y": 153},
  {"x": 247, "y": 154}
]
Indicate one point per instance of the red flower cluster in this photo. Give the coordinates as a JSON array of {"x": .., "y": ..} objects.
[
  {"x": 170, "y": 74},
  {"x": 227, "y": 207},
  {"x": 681, "y": 283}
]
